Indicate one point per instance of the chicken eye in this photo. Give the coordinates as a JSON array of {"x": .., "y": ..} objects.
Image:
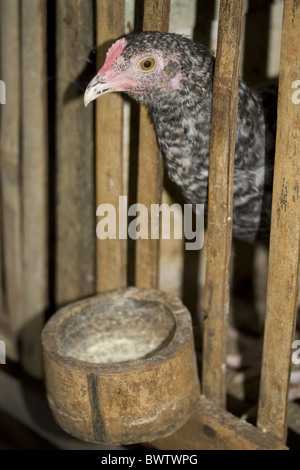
[{"x": 147, "y": 64}]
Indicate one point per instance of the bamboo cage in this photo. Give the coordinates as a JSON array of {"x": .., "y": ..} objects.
[{"x": 59, "y": 161}]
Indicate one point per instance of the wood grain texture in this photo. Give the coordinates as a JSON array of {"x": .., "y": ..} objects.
[
  {"x": 114, "y": 400},
  {"x": 75, "y": 216},
  {"x": 111, "y": 254},
  {"x": 34, "y": 181},
  {"x": 150, "y": 166},
  {"x": 11, "y": 166},
  {"x": 282, "y": 291},
  {"x": 220, "y": 197},
  {"x": 213, "y": 428}
]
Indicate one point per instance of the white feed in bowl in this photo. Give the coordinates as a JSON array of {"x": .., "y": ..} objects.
[{"x": 116, "y": 332}]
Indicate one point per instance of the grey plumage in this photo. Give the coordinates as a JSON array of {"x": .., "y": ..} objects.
[{"x": 179, "y": 98}]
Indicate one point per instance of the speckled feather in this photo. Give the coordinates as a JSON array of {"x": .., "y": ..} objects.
[{"x": 182, "y": 120}]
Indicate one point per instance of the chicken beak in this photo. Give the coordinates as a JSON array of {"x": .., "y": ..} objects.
[{"x": 95, "y": 89}]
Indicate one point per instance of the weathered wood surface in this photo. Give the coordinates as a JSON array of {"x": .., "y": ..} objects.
[
  {"x": 110, "y": 253},
  {"x": 285, "y": 235},
  {"x": 150, "y": 165},
  {"x": 142, "y": 386},
  {"x": 75, "y": 215},
  {"x": 34, "y": 181},
  {"x": 213, "y": 428},
  {"x": 14, "y": 398},
  {"x": 11, "y": 166},
  {"x": 220, "y": 198}
]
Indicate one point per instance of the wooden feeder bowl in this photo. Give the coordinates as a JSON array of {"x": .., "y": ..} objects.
[{"x": 120, "y": 367}]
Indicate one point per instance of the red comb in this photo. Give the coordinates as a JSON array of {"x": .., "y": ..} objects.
[{"x": 113, "y": 53}]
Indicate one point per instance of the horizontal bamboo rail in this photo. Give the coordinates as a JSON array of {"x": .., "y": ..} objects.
[{"x": 213, "y": 428}]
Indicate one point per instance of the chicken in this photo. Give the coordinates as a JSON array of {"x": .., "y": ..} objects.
[{"x": 173, "y": 76}]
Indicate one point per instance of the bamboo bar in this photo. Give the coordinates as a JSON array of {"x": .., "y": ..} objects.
[
  {"x": 282, "y": 291},
  {"x": 213, "y": 428},
  {"x": 34, "y": 187},
  {"x": 220, "y": 198},
  {"x": 110, "y": 253},
  {"x": 11, "y": 164},
  {"x": 75, "y": 219},
  {"x": 150, "y": 166}
]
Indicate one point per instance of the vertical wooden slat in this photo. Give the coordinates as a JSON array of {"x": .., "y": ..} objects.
[
  {"x": 111, "y": 254},
  {"x": 2, "y": 308},
  {"x": 2, "y": 102},
  {"x": 285, "y": 228},
  {"x": 150, "y": 167},
  {"x": 11, "y": 163},
  {"x": 34, "y": 180},
  {"x": 75, "y": 219},
  {"x": 220, "y": 197}
]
